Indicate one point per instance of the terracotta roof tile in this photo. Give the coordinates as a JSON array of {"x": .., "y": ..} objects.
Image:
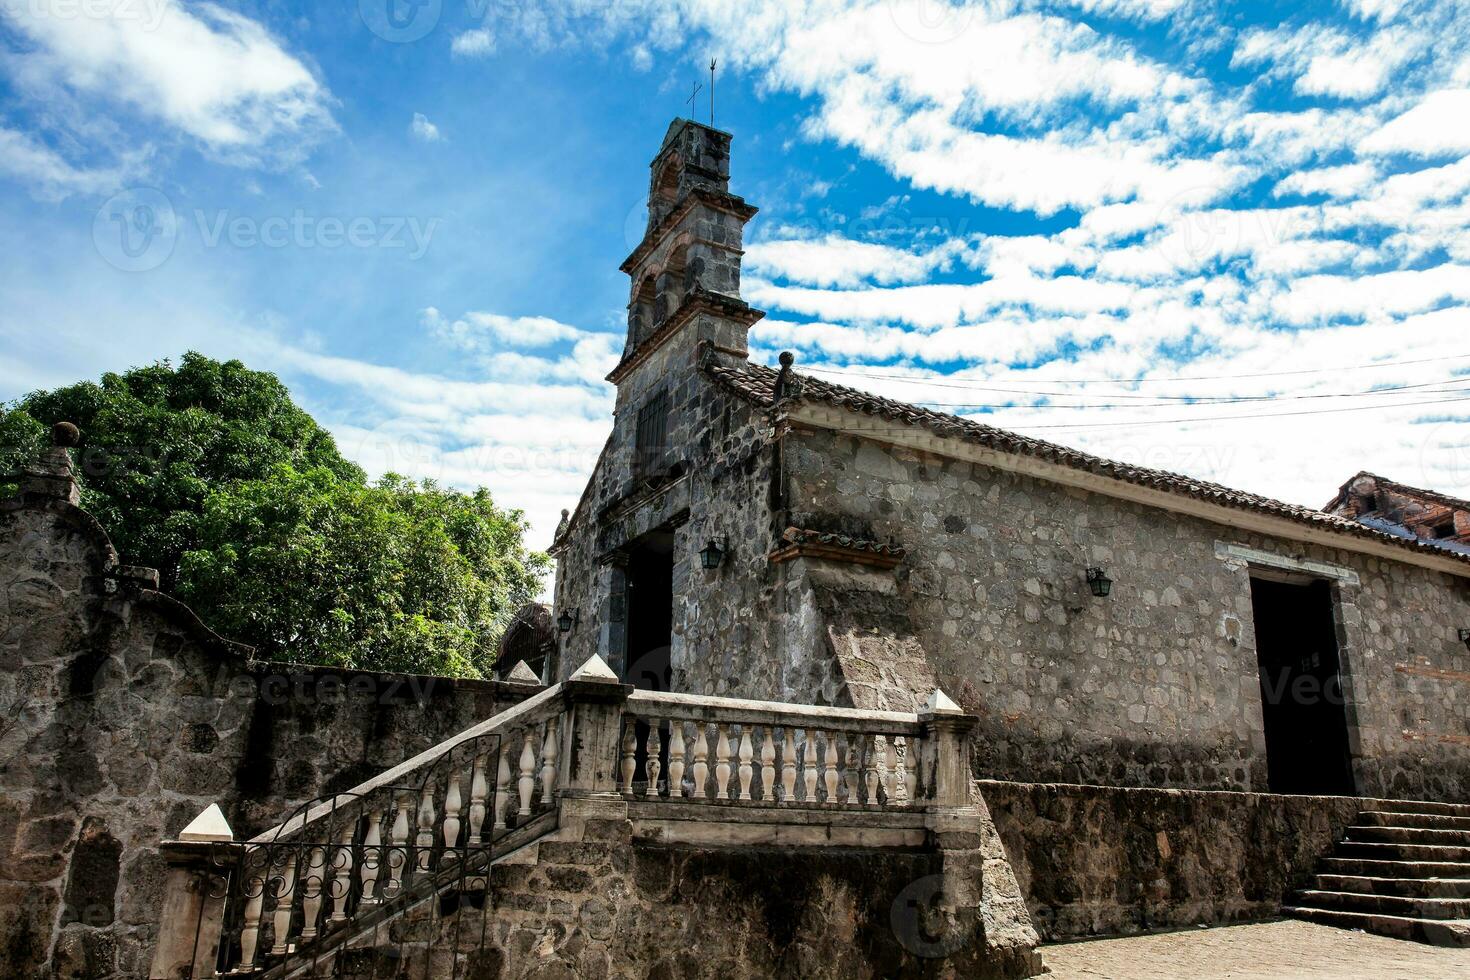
[{"x": 756, "y": 383}]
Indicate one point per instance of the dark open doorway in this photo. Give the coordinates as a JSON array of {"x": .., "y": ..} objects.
[
  {"x": 1302, "y": 699},
  {"x": 650, "y": 611}
]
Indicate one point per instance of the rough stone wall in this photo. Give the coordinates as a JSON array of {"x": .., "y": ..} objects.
[
  {"x": 122, "y": 718},
  {"x": 723, "y": 630},
  {"x": 1098, "y": 860},
  {"x": 608, "y": 906},
  {"x": 1158, "y": 684}
]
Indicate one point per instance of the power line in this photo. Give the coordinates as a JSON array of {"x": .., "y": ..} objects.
[
  {"x": 1184, "y": 421},
  {"x": 1232, "y": 418},
  {"x": 1203, "y": 377},
  {"x": 1160, "y": 401}
]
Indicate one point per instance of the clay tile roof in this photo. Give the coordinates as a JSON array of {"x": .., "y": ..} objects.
[
  {"x": 802, "y": 535},
  {"x": 756, "y": 383}
]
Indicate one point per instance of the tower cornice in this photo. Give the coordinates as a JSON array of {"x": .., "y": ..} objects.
[
  {"x": 700, "y": 301},
  {"x": 716, "y": 200}
]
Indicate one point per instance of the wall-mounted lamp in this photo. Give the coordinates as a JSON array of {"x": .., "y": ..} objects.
[
  {"x": 567, "y": 620},
  {"x": 1465, "y": 637},
  {"x": 1099, "y": 583},
  {"x": 712, "y": 555}
]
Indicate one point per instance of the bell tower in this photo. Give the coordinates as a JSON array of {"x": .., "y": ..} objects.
[{"x": 685, "y": 274}]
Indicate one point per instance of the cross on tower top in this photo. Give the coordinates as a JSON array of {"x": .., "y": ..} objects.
[{"x": 692, "y": 96}]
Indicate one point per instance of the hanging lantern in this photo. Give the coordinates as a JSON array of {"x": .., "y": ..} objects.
[
  {"x": 1099, "y": 583},
  {"x": 712, "y": 555}
]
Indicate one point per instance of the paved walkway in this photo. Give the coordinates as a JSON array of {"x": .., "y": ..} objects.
[{"x": 1267, "y": 951}]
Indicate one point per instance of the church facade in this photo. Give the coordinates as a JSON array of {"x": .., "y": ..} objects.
[{"x": 750, "y": 531}]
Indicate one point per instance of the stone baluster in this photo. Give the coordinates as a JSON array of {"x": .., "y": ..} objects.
[
  {"x": 398, "y": 853},
  {"x": 701, "y": 761},
  {"x": 676, "y": 760},
  {"x": 788, "y": 765},
  {"x": 829, "y": 767},
  {"x": 768, "y": 764},
  {"x": 311, "y": 892},
  {"x": 502, "y": 786},
  {"x": 453, "y": 803},
  {"x": 424, "y": 842},
  {"x": 910, "y": 770},
  {"x": 479, "y": 789},
  {"x": 548, "y": 763},
  {"x": 747, "y": 771},
  {"x": 653, "y": 764},
  {"x": 630, "y": 752},
  {"x": 527, "y": 783},
  {"x": 870, "y": 744},
  {"x": 250, "y": 930},
  {"x": 819, "y": 766},
  {"x": 809, "y": 766},
  {"x": 854, "y": 797},
  {"x": 890, "y": 770},
  {"x": 372, "y": 858},
  {"x": 342, "y": 865},
  {"x": 722, "y": 760},
  {"x": 285, "y": 904}
]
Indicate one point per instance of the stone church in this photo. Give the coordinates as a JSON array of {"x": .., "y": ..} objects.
[
  {"x": 832, "y": 687},
  {"x": 755, "y": 532}
]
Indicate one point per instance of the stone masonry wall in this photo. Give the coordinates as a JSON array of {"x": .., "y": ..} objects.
[
  {"x": 612, "y": 906},
  {"x": 1158, "y": 684},
  {"x": 1099, "y": 860},
  {"x": 122, "y": 718}
]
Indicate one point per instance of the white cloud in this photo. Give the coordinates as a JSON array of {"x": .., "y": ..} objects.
[
  {"x": 1437, "y": 125},
  {"x": 210, "y": 73},
  {"x": 1342, "y": 181},
  {"x": 477, "y": 43},
  {"x": 424, "y": 130},
  {"x": 837, "y": 261},
  {"x": 49, "y": 177}
]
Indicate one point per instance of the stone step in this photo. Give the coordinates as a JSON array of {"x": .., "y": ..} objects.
[
  {"x": 1402, "y": 852},
  {"x": 1416, "y": 806},
  {"x": 1409, "y": 835},
  {"x": 1432, "y": 821},
  {"x": 1406, "y": 887},
  {"x": 1389, "y": 868},
  {"x": 1436, "y": 932},
  {"x": 1412, "y": 908}
]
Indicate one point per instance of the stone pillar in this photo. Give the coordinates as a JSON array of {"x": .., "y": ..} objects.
[
  {"x": 590, "y": 746},
  {"x": 193, "y": 911},
  {"x": 189, "y": 926},
  {"x": 51, "y": 475}
]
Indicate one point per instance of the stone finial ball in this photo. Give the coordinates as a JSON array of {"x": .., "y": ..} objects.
[
  {"x": 65, "y": 434},
  {"x": 787, "y": 358}
]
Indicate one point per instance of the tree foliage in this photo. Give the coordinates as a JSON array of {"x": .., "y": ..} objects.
[{"x": 210, "y": 473}]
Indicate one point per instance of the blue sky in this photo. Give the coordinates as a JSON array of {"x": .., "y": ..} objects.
[{"x": 1119, "y": 224}]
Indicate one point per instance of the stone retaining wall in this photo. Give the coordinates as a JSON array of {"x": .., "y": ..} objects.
[
  {"x": 1103, "y": 860},
  {"x": 122, "y": 718}
]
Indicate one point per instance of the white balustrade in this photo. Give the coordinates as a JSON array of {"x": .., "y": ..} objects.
[{"x": 764, "y": 754}]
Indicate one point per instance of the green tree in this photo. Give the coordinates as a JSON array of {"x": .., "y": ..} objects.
[
  {"x": 156, "y": 439},
  {"x": 393, "y": 576},
  {"x": 210, "y": 473}
]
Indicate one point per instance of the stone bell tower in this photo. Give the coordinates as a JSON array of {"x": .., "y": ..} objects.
[{"x": 685, "y": 274}]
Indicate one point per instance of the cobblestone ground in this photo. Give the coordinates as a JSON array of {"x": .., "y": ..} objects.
[{"x": 1266, "y": 951}]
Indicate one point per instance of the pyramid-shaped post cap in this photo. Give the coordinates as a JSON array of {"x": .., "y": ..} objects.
[
  {"x": 596, "y": 669},
  {"x": 208, "y": 826},
  {"x": 940, "y": 703},
  {"x": 522, "y": 674}
]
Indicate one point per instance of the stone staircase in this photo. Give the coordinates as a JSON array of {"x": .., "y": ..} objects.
[{"x": 1401, "y": 870}]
